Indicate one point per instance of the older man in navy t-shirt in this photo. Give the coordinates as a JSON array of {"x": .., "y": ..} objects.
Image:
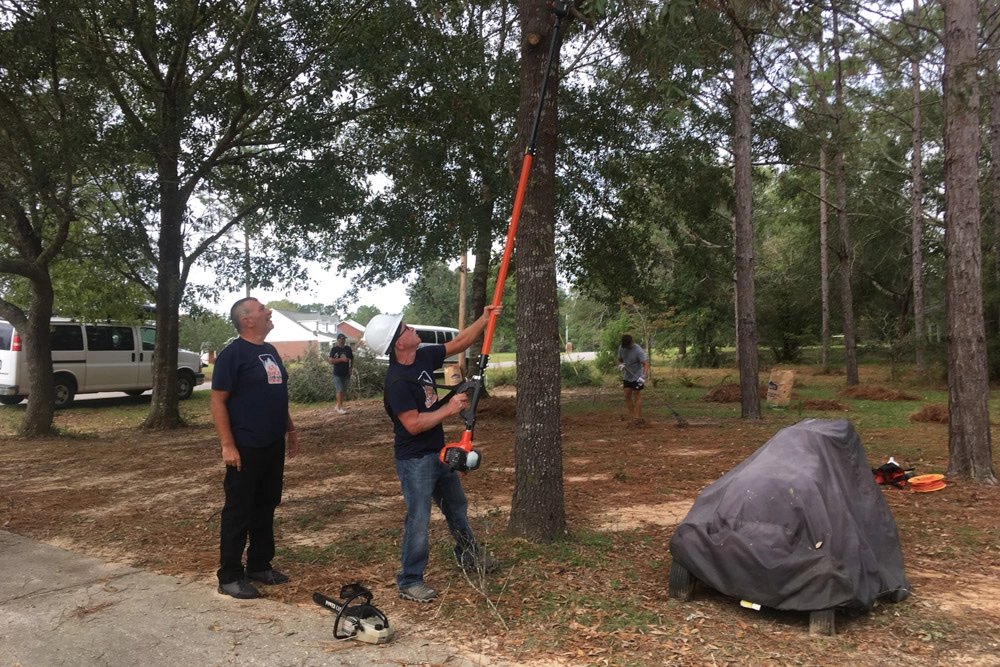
[{"x": 250, "y": 408}]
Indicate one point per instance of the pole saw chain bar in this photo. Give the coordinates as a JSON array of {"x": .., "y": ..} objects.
[
  {"x": 363, "y": 622},
  {"x": 460, "y": 456}
]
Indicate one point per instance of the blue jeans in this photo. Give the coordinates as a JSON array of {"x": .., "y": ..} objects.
[{"x": 424, "y": 479}]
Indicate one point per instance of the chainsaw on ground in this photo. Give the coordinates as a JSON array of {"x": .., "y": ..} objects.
[{"x": 362, "y": 621}]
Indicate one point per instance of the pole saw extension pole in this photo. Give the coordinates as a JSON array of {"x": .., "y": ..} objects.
[{"x": 460, "y": 455}]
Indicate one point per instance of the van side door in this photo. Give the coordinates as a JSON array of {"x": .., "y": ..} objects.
[
  {"x": 112, "y": 358},
  {"x": 68, "y": 353},
  {"x": 147, "y": 336}
]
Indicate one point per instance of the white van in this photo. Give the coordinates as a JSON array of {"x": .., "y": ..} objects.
[{"x": 88, "y": 358}]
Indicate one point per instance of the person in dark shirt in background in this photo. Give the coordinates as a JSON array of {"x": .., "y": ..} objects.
[{"x": 342, "y": 359}]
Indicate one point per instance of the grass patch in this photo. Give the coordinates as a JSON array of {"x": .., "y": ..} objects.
[
  {"x": 364, "y": 547},
  {"x": 96, "y": 416},
  {"x": 320, "y": 520}
]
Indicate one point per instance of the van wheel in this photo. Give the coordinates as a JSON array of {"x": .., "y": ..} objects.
[
  {"x": 11, "y": 400},
  {"x": 185, "y": 386},
  {"x": 65, "y": 391}
]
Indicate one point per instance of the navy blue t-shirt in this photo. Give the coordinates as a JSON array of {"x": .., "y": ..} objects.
[
  {"x": 257, "y": 383},
  {"x": 403, "y": 395},
  {"x": 336, "y": 352}
]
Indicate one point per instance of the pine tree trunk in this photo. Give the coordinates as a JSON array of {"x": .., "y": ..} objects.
[
  {"x": 917, "y": 219},
  {"x": 993, "y": 67},
  {"x": 537, "y": 508},
  {"x": 824, "y": 258},
  {"x": 969, "y": 445},
  {"x": 843, "y": 226},
  {"x": 746, "y": 313}
]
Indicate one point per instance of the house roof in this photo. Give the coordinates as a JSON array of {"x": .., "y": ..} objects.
[
  {"x": 286, "y": 329},
  {"x": 314, "y": 326},
  {"x": 351, "y": 329},
  {"x": 308, "y": 317}
]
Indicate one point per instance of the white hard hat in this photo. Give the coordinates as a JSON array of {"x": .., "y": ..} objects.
[{"x": 380, "y": 331}]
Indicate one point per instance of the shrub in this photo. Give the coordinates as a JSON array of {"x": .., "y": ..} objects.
[
  {"x": 607, "y": 356},
  {"x": 368, "y": 380},
  {"x": 310, "y": 380},
  {"x": 579, "y": 374},
  {"x": 499, "y": 377},
  {"x": 686, "y": 380}
]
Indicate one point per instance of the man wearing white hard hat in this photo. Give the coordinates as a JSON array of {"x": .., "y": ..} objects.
[{"x": 412, "y": 403}]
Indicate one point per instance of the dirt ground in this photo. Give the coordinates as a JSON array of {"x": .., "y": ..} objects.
[{"x": 151, "y": 499}]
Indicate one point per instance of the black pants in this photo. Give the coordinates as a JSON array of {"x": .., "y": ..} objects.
[{"x": 252, "y": 495}]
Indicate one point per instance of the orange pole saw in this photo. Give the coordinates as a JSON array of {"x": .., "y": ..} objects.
[{"x": 460, "y": 455}]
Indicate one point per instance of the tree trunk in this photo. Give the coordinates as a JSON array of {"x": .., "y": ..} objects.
[
  {"x": 32, "y": 263},
  {"x": 993, "y": 68},
  {"x": 480, "y": 278},
  {"x": 917, "y": 219},
  {"x": 463, "y": 288},
  {"x": 38, "y": 347},
  {"x": 481, "y": 271},
  {"x": 824, "y": 259},
  {"x": 969, "y": 446},
  {"x": 843, "y": 226},
  {"x": 537, "y": 508},
  {"x": 164, "y": 410},
  {"x": 746, "y": 313}
]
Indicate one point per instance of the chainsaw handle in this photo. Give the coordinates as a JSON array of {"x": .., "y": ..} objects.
[{"x": 478, "y": 386}]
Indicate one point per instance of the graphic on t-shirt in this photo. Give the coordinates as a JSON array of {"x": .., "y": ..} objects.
[
  {"x": 272, "y": 369},
  {"x": 430, "y": 395}
]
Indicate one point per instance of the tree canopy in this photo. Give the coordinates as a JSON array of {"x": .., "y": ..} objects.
[{"x": 139, "y": 140}]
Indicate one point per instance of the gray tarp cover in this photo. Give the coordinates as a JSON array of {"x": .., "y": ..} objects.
[{"x": 799, "y": 525}]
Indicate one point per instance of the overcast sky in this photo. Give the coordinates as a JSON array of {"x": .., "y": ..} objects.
[{"x": 389, "y": 299}]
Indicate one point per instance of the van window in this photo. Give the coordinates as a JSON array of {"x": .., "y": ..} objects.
[
  {"x": 427, "y": 336},
  {"x": 67, "y": 338},
  {"x": 148, "y": 338},
  {"x": 110, "y": 339},
  {"x": 6, "y": 334}
]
